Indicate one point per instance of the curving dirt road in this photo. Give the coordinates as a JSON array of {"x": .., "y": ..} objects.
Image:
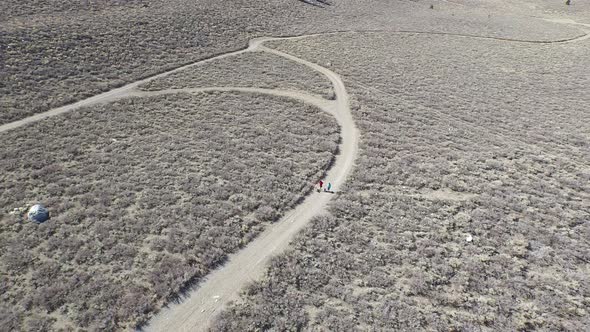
[
  {"x": 128, "y": 90},
  {"x": 198, "y": 309},
  {"x": 317, "y": 101},
  {"x": 224, "y": 284}
]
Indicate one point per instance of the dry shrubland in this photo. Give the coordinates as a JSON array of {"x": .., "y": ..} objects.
[
  {"x": 56, "y": 52},
  {"x": 19, "y": 8},
  {"x": 252, "y": 69},
  {"x": 145, "y": 196},
  {"x": 466, "y": 139},
  {"x": 460, "y": 136}
]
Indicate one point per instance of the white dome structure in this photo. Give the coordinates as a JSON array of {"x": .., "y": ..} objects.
[{"x": 38, "y": 213}]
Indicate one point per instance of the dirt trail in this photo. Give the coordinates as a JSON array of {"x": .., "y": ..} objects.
[
  {"x": 127, "y": 90},
  {"x": 582, "y": 26},
  {"x": 222, "y": 285},
  {"x": 109, "y": 96},
  {"x": 197, "y": 310},
  {"x": 317, "y": 101}
]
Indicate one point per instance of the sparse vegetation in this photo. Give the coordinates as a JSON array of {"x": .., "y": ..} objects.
[
  {"x": 252, "y": 69},
  {"x": 146, "y": 196},
  {"x": 462, "y": 140},
  {"x": 56, "y": 52},
  {"x": 467, "y": 210}
]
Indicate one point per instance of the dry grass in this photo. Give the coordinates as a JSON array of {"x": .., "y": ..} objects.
[
  {"x": 146, "y": 196},
  {"x": 465, "y": 137}
]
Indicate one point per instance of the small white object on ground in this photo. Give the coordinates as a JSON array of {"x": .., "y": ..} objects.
[
  {"x": 469, "y": 238},
  {"x": 38, "y": 213}
]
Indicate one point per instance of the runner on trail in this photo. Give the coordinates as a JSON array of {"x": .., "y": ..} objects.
[
  {"x": 329, "y": 186},
  {"x": 320, "y": 184}
]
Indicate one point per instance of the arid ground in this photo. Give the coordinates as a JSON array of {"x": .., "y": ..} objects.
[{"x": 177, "y": 152}]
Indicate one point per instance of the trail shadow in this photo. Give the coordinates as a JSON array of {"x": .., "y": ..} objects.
[{"x": 325, "y": 191}]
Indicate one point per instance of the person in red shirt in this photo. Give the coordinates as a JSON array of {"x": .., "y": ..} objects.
[{"x": 320, "y": 184}]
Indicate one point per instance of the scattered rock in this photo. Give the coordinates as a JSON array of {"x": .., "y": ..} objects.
[{"x": 18, "y": 211}]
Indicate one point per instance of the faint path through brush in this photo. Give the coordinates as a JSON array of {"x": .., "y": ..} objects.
[
  {"x": 318, "y": 101},
  {"x": 126, "y": 90},
  {"x": 197, "y": 310},
  {"x": 582, "y": 26},
  {"x": 199, "y": 307}
]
